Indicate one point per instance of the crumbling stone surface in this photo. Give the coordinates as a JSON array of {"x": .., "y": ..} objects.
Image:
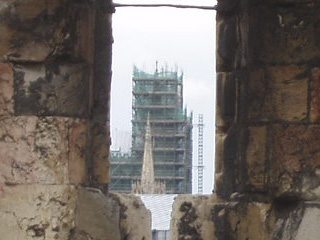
[
  {"x": 77, "y": 159},
  {"x": 290, "y": 92},
  {"x": 191, "y": 218},
  {"x": 284, "y": 33},
  {"x": 57, "y": 89},
  {"x": 206, "y": 217},
  {"x": 64, "y": 212},
  {"x": 275, "y": 94},
  {"x": 135, "y": 218},
  {"x": 315, "y": 95},
  {"x": 256, "y": 157},
  {"x": 55, "y": 74},
  {"x": 52, "y": 149},
  {"x": 297, "y": 161},
  {"x": 209, "y": 218},
  {"x": 242, "y": 220},
  {"x": 37, "y": 211},
  {"x": 267, "y": 159},
  {"x": 39, "y": 30}
]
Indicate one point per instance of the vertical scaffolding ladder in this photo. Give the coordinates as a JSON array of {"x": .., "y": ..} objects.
[{"x": 200, "y": 154}]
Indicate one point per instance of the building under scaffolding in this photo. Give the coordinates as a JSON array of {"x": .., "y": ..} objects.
[{"x": 159, "y": 95}]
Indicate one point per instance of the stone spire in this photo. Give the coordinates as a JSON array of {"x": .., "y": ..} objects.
[
  {"x": 148, "y": 185},
  {"x": 147, "y": 175}
]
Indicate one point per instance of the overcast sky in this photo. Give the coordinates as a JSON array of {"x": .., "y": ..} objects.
[{"x": 182, "y": 37}]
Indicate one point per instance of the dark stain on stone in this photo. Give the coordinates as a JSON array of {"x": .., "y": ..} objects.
[
  {"x": 39, "y": 230},
  {"x": 289, "y": 215},
  {"x": 223, "y": 229},
  {"x": 186, "y": 228},
  {"x": 230, "y": 156},
  {"x": 227, "y": 43},
  {"x": 38, "y": 29},
  {"x": 43, "y": 28},
  {"x": 22, "y": 103},
  {"x": 51, "y": 92}
]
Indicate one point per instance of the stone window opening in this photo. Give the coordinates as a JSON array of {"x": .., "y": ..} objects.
[{"x": 176, "y": 6}]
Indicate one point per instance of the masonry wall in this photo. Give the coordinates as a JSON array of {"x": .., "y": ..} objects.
[
  {"x": 55, "y": 75},
  {"x": 267, "y": 141}
]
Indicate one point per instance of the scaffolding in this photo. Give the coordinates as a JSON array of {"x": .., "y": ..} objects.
[
  {"x": 200, "y": 154},
  {"x": 161, "y": 95}
]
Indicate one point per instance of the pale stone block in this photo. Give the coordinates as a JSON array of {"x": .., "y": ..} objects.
[
  {"x": 309, "y": 228},
  {"x": 64, "y": 212},
  {"x": 37, "y": 211},
  {"x": 135, "y": 218},
  {"x": 48, "y": 150},
  {"x": 97, "y": 216},
  {"x": 298, "y": 221}
]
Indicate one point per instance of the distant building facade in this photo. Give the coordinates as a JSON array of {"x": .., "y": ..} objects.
[{"x": 159, "y": 96}]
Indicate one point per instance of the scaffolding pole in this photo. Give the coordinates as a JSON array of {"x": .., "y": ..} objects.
[{"x": 200, "y": 154}]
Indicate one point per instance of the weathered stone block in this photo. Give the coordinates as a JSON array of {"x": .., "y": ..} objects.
[
  {"x": 230, "y": 145},
  {"x": 205, "y": 218},
  {"x": 279, "y": 34},
  {"x": 290, "y": 92},
  {"x": 65, "y": 212},
  {"x": 6, "y": 94},
  {"x": 37, "y": 30},
  {"x": 101, "y": 155},
  {"x": 226, "y": 42},
  {"x": 191, "y": 218},
  {"x": 257, "y": 97},
  {"x": 37, "y": 150},
  {"x": 77, "y": 165},
  {"x": 226, "y": 99},
  {"x": 256, "y": 158},
  {"x": 243, "y": 220},
  {"x": 296, "y": 161},
  {"x": 59, "y": 90},
  {"x": 276, "y": 93},
  {"x": 309, "y": 228},
  {"x": 135, "y": 218},
  {"x": 297, "y": 221},
  {"x": 37, "y": 212},
  {"x": 97, "y": 216},
  {"x": 218, "y": 171},
  {"x": 315, "y": 95}
]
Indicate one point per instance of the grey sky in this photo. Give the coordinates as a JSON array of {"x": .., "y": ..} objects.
[{"x": 182, "y": 37}]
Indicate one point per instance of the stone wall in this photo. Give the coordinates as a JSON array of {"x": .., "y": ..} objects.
[
  {"x": 267, "y": 143},
  {"x": 52, "y": 88},
  {"x": 55, "y": 75}
]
